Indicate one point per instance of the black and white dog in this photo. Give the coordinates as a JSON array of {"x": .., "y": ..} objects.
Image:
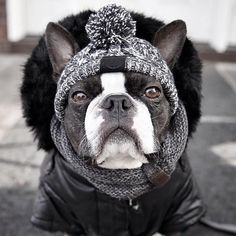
[{"x": 115, "y": 120}]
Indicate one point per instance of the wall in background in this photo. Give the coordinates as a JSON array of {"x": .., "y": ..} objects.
[{"x": 208, "y": 21}]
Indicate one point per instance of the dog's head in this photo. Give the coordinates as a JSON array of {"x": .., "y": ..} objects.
[{"x": 116, "y": 119}]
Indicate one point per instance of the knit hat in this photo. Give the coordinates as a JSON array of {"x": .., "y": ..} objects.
[{"x": 113, "y": 47}]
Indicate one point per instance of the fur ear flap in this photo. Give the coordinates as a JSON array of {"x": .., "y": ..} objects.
[
  {"x": 170, "y": 39},
  {"x": 61, "y": 47}
]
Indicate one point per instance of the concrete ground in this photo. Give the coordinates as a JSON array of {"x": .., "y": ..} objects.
[{"x": 212, "y": 151}]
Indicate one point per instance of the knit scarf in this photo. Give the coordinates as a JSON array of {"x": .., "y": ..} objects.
[{"x": 128, "y": 183}]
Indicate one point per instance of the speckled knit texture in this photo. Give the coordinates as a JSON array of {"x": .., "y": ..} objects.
[{"x": 111, "y": 31}]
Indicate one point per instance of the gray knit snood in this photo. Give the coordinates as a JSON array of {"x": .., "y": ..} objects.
[{"x": 128, "y": 183}]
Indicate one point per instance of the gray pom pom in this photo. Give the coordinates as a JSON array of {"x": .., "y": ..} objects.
[{"x": 108, "y": 25}]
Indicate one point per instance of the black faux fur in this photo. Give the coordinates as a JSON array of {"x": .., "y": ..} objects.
[{"x": 38, "y": 88}]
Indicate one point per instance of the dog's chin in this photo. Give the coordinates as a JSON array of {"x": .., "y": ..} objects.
[{"x": 120, "y": 151}]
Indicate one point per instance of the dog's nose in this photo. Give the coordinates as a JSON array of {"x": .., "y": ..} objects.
[{"x": 117, "y": 103}]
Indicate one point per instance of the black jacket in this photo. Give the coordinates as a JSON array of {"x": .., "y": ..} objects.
[{"x": 67, "y": 202}]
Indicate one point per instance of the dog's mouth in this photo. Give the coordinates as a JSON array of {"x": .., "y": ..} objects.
[
  {"x": 121, "y": 134},
  {"x": 118, "y": 135},
  {"x": 120, "y": 148}
]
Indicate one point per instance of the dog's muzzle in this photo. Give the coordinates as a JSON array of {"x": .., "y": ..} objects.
[{"x": 118, "y": 111}]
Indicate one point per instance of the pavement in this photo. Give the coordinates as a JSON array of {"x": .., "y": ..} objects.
[{"x": 212, "y": 151}]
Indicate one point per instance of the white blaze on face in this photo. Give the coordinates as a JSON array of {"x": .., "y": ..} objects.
[
  {"x": 113, "y": 154},
  {"x": 92, "y": 123},
  {"x": 143, "y": 126},
  {"x": 113, "y": 83}
]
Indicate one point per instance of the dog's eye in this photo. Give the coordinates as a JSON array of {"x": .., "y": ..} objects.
[
  {"x": 79, "y": 96},
  {"x": 152, "y": 92}
]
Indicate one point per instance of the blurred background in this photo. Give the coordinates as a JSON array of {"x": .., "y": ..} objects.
[{"x": 211, "y": 26}]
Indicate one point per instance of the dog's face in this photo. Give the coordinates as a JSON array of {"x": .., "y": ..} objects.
[
  {"x": 117, "y": 118},
  {"x": 114, "y": 119}
]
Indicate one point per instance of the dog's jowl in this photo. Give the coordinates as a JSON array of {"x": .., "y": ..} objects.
[{"x": 115, "y": 111}]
